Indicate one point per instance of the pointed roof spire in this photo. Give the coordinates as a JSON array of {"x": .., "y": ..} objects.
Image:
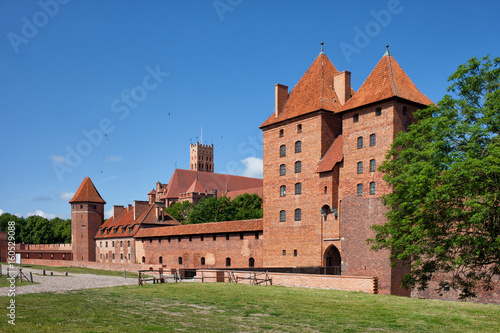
[
  {"x": 387, "y": 53},
  {"x": 87, "y": 193},
  {"x": 322, "y": 48},
  {"x": 196, "y": 187}
]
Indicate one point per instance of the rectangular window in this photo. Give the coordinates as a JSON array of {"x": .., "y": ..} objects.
[
  {"x": 282, "y": 190},
  {"x": 373, "y": 140},
  {"x": 378, "y": 112},
  {"x": 373, "y": 166},
  {"x": 298, "y": 167},
  {"x": 360, "y": 142},
  {"x": 298, "y": 214},
  {"x": 294, "y": 253},
  {"x": 283, "y": 216},
  {"x": 299, "y": 128},
  {"x": 355, "y": 118},
  {"x": 298, "y": 146},
  {"x": 281, "y": 133},
  {"x": 284, "y": 252},
  {"x": 360, "y": 189},
  {"x": 298, "y": 188},
  {"x": 360, "y": 167},
  {"x": 282, "y": 150},
  {"x": 372, "y": 188}
]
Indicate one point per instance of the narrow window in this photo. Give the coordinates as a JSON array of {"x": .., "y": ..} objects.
[
  {"x": 106, "y": 243},
  {"x": 294, "y": 253},
  {"x": 355, "y": 118},
  {"x": 179, "y": 260},
  {"x": 143, "y": 259},
  {"x": 129, "y": 256},
  {"x": 121, "y": 243},
  {"x": 326, "y": 190},
  {"x": 113, "y": 244},
  {"x": 372, "y": 188},
  {"x": 378, "y": 112},
  {"x": 81, "y": 206},
  {"x": 298, "y": 188},
  {"x": 282, "y": 150},
  {"x": 282, "y": 132},
  {"x": 227, "y": 236},
  {"x": 151, "y": 240},
  {"x": 298, "y": 167},
  {"x": 190, "y": 238},
  {"x": 373, "y": 166},
  {"x": 202, "y": 238},
  {"x": 256, "y": 235},
  {"x": 214, "y": 237},
  {"x": 299, "y": 128},
  {"x": 282, "y": 170},
  {"x": 106, "y": 256},
  {"x": 284, "y": 252},
  {"x": 100, "y": 244},
  {"x": 251, "y": 262},
  {"x": 203, "y": 261},
  {"x": 228, "y": 262},
  {"x": 100, "y": 256},
  {"x": 298, "y": 146},
  {"x": 405, "y": 110},
  {"x": 241, "y": 235},
  {"x": 373, "y": 140},
  {"x": 360, "y": 142},
  {"x": 283, "y": 216},
  {"x": 121, "y": 256},
  {"x": 360, "y": 167},
  {"x": 113, "y": 256},
  {"x": 179, "y": 239},
  {"x": 160, "y": 260},
  {"x": 159, "y": 240},
  {"x": 298, "y": 214},
  {"x": 282, "y": 190},
  {"x": 360, "y": 189}
]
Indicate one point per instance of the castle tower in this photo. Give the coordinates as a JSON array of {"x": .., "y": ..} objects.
[
  {"x": 202, "y": 157},
  {"x": 87, "y": 215}
]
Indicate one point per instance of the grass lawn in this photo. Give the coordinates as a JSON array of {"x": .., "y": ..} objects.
[
  {"x": 6, "y": 283},
  {"x": 218, "y": 307},
  {"x": 80, "y": 270}
]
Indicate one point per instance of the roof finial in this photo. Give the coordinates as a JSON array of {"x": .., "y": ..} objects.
[
  {"x": 387, "y": 51},
  {"x": 322, "y": 48}
]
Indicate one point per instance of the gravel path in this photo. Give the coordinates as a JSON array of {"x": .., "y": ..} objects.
[{"x": 60, "y": 283}]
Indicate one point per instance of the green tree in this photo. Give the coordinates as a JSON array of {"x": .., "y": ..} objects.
[
  {"x": 444, "y": 211},
  {"x": 247, "y": 206},
  {"x": 212, "y": 210},
  {"x": 19, "y": 224},
  {"x": 180, "y": 211},
  {"x": 37, "y": 231},
  {"x": 61, "y": 230}
]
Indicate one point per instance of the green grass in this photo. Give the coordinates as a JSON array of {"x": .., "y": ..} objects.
[
  {"x": 77, "y": 270},
  {"x": 6, "y": 283},
  {"x": 216, "y": 307}
]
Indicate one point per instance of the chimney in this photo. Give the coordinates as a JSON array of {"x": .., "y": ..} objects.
[
  {"x": 281, "y": 94},
  {"x": 342, "y": 86},
  {"x": 139, "y": 208},
  {"x": 117, "y": 210},
  {"x": 129, "y": 207}
]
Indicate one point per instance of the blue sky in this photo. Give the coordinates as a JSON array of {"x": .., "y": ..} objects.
[{"x": 117, "y": 90}]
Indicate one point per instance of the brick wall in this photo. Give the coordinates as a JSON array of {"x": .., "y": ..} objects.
[
  {"x": 86, "y": 218},
  {"x": 115, "y": 250}
]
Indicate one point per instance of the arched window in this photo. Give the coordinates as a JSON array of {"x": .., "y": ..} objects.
[
  {"x": 180, "y": 260},
  {"x": 298, "y": 167},
  {"x": 202, "y": 261},
  {"x": 283, "y": 216},
  {"x": 251, "y": 262},
  {"x": 373, "y": 166},
  {"x": 282, "y": 150},
  {"x": 129, "y": 256},
  {"x": 282, "y": 190},
  {"x": 360, "y": 189},
  {"x": 372, "y": 188},
  {"x": 298, "y": 188},
  {"x": 282, "y": 170},
  {"x": 228, "y": 262},
  {"x": 298, "y": 214},
  {"x": 298, "y": 146},
  {"x": 360, "y": 142},
  {"x": 360, "y": 167},
  {"x": 128, "y": 243},
  {"x": 373, "y": 140},
  {"x": 106, "y": 256},
  {"x": 113, "y": 244},
  {"x": 121, "y": 256},
  {"x": 113, "y": 256},
  {"x": 160, "y": 260}
]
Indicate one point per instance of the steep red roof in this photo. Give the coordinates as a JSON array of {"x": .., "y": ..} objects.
[
  {"x": 87, "y": 193},
  {"x": 333, "y": 155},
  {"x": 233, "y": 194},
  {"x": 385, "y": 81},
  {"x": 313, "y": 92},
  {"x": 182, "y": 180},
  {"x": 203, "y": 228},
  {"x": 196, "y": 187}
]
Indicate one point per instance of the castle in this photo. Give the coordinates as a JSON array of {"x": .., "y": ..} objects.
[{"x": 321, "y": 188}]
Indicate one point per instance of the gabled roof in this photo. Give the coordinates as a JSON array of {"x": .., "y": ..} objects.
[
  {"x": 196, "y": 187},
  {"x": 202, "y": 228},
  {"x": 333, "y": 155},
  {"x": 87, "y": 193},
  {"x": 258, "y": 190},
  {"x": 385, "y": 81},
  {"x": 313, "y": 92},
  {"x": 182, "y": 180}
]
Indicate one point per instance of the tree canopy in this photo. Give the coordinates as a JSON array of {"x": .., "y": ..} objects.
[
  {"x": 38, "y": 230},
  {"x": 444, "y": 210}
]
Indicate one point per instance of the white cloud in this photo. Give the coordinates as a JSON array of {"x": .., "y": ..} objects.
[
  {"x": 113, "y": 158},
  {"x": 1, "y": 211},
  {"x": 58, "y": 158},
  {"x": 40, "y": 213},
  {"x": 253, "y": 167},
  {"x": 65, "y": 195},
  {"x": 108, "y": 213}
]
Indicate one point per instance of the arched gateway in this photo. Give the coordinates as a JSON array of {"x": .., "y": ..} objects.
[{"x": 332, "y": 261}]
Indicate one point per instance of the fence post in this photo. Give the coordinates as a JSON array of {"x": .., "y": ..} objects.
[
  {"x": 31, "y": 277},
  {"x": 124, "y": 274}
]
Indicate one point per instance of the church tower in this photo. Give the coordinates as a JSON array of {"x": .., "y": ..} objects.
[
  {"x": 202, "y": 157},
  {"x": 87, "y": 215}
]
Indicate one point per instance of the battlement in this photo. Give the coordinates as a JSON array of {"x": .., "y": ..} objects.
[{"x": 199, "y": 145}]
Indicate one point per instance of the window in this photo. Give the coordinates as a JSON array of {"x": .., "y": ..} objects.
[
  {"x": 129, "y": 256},
  {"x": 202, "y": 238},
  {"x": 298, "y": 214},
  {"x": 113, "y": 256},
  {"x": 160, "y": 260},
  {"x": 113, "y": 244},
  {"x": 81, "y": 206},
  {"x": 284, "y": 252},
  {"x": 179, "y": 260},
  {"x": 360, "y": 167},
  {"x": 159, "y": 240},
  {"x": 100, "y": 244},
  {"x": 106, "y": 256},
  {"x": 355, "y": 118},
  {"x": 179, "y": 239},
  {"x": 378, "y": 112},
  {"x": 282, "y": 170},
  {"x": 373, "y": 140},
  {"x": 405, "y": 110},
  {"x": 121, "y": 256},
  {"x": 298, "y": 167},
  {"x": 251, "y": 262},
  {"x": 202, "y": 261},
  {"x": 241, "y": 235},
  {"x": 283, "y": 216},
  {"x": 372, "y": 188},
  {"x": 256, "y": 235},
  {"x": 228, "y": 262},
  {"x": 326, "y": 189},
  {"x": 114, "y": 230},
  {"x": 214, "y": 237},
  {"x": 282, "y": 190},
  {"x": 130, "y": 230},
  {"x": 151, "y": 240},
  {"x": 123, "y": 230},
  {"x": 298, "y": 146},
  {"x": 298, "y": 188},
  {"x": 373, "y": 166},
  {"x": 282, "y": 132},
  {"x": 106, "y": 243},
  {"x": 282, "y": 150},
  {"x": 299, "y": 128},
  {"x": 360, "y": 189},
  {"x": 294, "y": 253},
  {"x": 360, "y": 142},
  {"x": 190, "y": 238},
  {"x": 121, "y": 243}
]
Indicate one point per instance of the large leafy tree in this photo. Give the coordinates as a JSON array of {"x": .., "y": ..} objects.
[
  {"x": 247, "y": 206},
  {"x": 444, "y": 211},
  {"x": 180, "y": 211},
  {"x": 20, "y": 222}
]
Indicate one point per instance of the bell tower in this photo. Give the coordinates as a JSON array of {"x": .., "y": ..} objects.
[
  {"x": 87, "y": 215},
  {"x": 202, "y": 157}
]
